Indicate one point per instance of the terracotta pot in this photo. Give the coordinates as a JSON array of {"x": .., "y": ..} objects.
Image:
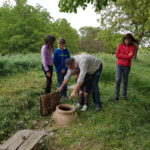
[{"x": 64, "y": 114}]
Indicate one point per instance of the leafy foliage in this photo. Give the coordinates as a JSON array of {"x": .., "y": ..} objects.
[
  {"x": 128, "y": 16},
  {"x": 89, "y": 41},
  {"x": 63, "y": 29},
  {"x": 71, "y": 6},
  {"x": 23, "y": 28},
  {"x": 110, "y": 40},
  {"x": 98, "y": 40}
]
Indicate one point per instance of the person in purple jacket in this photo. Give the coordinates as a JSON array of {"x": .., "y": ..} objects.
[
  {"x": 47, "y": 61},
  {"x": 60, "y": 55}
]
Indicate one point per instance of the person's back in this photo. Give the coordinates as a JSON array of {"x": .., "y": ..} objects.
[{"x": 90, "y": 62}]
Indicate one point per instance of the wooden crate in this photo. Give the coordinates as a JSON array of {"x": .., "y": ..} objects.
[
  {"x": 23, "y": 140},
  {"x": 48, "y": 103}
]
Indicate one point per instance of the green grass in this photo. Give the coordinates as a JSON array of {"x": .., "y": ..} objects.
[{"x": 122, "y": 125}]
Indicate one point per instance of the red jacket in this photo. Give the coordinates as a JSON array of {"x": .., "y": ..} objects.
[{"x": 122, "y": 54}]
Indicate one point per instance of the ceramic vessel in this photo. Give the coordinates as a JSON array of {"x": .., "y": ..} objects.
[{"x": 64, "y": 114}]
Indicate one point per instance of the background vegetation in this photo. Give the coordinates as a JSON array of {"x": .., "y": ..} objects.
[
  {"x": 122, "y": 125},
  {"x": 24, "y": 27}
]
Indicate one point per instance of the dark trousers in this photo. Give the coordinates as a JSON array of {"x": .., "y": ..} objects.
[
  {"x": 95, "y": 87},
  {"x": 48, "y": 80},
  {"x": 60, "y": 79},
  {"x": 83, "y": 99},
  {"x": 122, "y": 71}
]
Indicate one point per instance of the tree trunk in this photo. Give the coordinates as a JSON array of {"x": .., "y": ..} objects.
[{"x": 136, "y": 51}]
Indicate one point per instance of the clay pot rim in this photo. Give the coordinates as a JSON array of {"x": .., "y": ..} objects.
[{"x": 66, "y": 112}]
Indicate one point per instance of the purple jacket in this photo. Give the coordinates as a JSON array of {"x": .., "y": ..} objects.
[{"x": 46, "y": 55}]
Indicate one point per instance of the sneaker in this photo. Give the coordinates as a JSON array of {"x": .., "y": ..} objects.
[
  {"x": 84, "y": 108},
  {"x": 116, "y": 98},
  {"x": 98, "y": 108},
  {"x": 78, "y": 105}
]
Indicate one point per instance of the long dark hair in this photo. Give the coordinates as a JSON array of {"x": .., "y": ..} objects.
[
  {"x": 129, "y": 36},
  {"x": 49, "y": 40}
]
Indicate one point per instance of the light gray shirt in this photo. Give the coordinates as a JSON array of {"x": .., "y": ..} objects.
[{"x": 88, "y": 64}]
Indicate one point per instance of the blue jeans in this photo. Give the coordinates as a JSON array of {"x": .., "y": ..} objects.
[
  {"x": 122, "y": 71},
  {"x": 60, "y": 79},
  {"x": 48, "y": 80},
  {"x": 95, "y": 87}
]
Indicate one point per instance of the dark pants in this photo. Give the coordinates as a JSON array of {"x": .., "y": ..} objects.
[
  {"x": 122, "y": 71},
  {"x": 83, "y": 98},
  {"x": 60, "y": 79},
  {"x": 95, "y": 87},
  {"x": 85, "y": 90},
  {"x": 48, "y": 80}
]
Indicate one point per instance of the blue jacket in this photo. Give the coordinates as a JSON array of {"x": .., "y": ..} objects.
[{"x": 59, "y": 59}]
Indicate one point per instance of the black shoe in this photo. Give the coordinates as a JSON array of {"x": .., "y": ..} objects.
[
  {"x": 116, "y": 98},
  {"x": 98, "y": 108}
]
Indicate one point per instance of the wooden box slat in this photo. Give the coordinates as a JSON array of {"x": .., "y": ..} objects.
[
  {"x": 23, "y": 140},
  {"x": 32, "y": 140},
  {"x": 48, "y": 103},
  {"x": 14, "y": 142}
]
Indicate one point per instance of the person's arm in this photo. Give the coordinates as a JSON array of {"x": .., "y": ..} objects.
[
  {"x": 125, "y": 56},
  {"x": 118, "y": 52},
  {"x": 83, "y": 70},
  {"x": 75, "y": 90},
  {"x": 59, "y": 89},
  {"x": 130, "y": 55},
  {"x": 44, "y": 61}
]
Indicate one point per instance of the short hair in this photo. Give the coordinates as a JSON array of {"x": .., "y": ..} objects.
[
  {"x": 76, "y": 70},
  {"x": 129, "y": 36},
  {"x": 61, "y": 41},
  {"x": 70, "y": 61}
]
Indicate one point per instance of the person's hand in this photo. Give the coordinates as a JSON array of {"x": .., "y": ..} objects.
[
  {"x": 59, "y": 89},
  {"x": 73, "y": 94},
  {"x": 130, "y": 54},
  {"x": 48, "y": 74},
  {"x": 63, "y": 71}
]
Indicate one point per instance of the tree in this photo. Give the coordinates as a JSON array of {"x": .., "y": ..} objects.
[
  {"x": 61, "y": 28},
  {"x": 128, "y": 16},
  {"x": 89, "y": 41},
  {"x": 23, "y": 27},
  {"x": 110, "y": 40},
  {"x": 72, "y": 5}
]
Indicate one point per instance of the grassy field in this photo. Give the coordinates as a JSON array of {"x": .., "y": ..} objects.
[{"x": 122, "y": 125}]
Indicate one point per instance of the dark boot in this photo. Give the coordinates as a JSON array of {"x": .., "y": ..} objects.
[{"x": 116, "y": 98}]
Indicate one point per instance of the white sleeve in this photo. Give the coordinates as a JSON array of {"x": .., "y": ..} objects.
[
  {"x": 83, "y": 70},
  {"x": 68, "y": 75}
]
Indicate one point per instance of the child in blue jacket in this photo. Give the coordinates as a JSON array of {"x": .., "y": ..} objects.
[{"x": 60, "y": 55}]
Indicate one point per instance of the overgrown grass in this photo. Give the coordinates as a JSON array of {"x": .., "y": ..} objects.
[
  {"x": 18, "y": 63},
  {"x": 122, "y": 125}
]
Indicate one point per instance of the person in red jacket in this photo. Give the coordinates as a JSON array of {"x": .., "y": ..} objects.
[{"x": 124, "y": 53}]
